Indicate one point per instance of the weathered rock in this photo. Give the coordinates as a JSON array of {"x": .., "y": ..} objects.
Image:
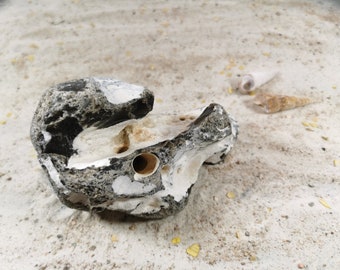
[{"x": 101, "y": 150}]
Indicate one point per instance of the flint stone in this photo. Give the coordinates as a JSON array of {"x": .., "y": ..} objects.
[{"x": 101, "y": 149}]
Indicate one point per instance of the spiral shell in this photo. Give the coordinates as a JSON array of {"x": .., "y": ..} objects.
[{"x": 276, "y": 103}]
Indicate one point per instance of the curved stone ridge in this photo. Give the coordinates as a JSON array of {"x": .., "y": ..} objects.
[{"x": 102, "y": 150}]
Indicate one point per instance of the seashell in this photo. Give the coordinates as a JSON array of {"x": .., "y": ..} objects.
[
  {"x": 102, "y": 149},
  {"x": 254, "y": 80},
  {"x": 276, "y": 103}
]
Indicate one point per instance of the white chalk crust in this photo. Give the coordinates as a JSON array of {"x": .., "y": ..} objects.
[{"x": 117, "y": 91}]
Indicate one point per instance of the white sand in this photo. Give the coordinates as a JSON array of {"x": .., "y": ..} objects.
[{"x": 186, "y": 52}]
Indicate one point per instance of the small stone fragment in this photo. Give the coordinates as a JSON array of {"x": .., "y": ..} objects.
[
  {"x": 194, "y": 250},
  {"x": 34, "y": 46},
  {"x": 253, "y": 258},
  {"x": 301, "y": 266},
  {"x": 132, "y": 227}
]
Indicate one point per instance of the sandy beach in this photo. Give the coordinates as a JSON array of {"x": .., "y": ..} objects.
[{"x": 275, "y": 201}]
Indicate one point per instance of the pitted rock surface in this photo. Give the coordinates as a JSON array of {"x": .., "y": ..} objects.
[{"x": 152, "y": 178}]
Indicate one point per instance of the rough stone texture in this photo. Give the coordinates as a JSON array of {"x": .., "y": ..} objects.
[
  {"x": 67, "y": 109},
  {"x": 184, "y": 52}
]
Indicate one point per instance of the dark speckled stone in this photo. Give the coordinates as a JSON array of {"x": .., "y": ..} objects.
[{"x": 67, "y": 109}]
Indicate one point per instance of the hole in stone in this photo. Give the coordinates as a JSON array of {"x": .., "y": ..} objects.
[
  {"x": 182, "y": 118},
  {"x": 145, "y": 164}
]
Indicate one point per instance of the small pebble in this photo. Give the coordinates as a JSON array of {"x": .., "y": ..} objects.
[
  {"x": 301, "y": 266},
  {"x": 311, "y": 204},
  {"x": 247, "y": 233},
  {"x": 252, "y": 258},
  {"x": 132, "y": 227}
]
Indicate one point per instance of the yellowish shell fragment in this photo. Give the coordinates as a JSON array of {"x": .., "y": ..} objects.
[
  {"x": 336, "y": 162},
  {"x": 310, "y": 124},
  {"x": 231, "y": 195},
  {"x": 194, "y": 250},
  {"x": 324, "y": 203},
  {"x": 313, "y": 124},
  {"x": 34, "y": 46},
  {"x": 176, "y": 240},
  {"x": 30, "y": 57},
  {"x": 252, "y": 258},
  {"x": 114, "y": 238}
]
